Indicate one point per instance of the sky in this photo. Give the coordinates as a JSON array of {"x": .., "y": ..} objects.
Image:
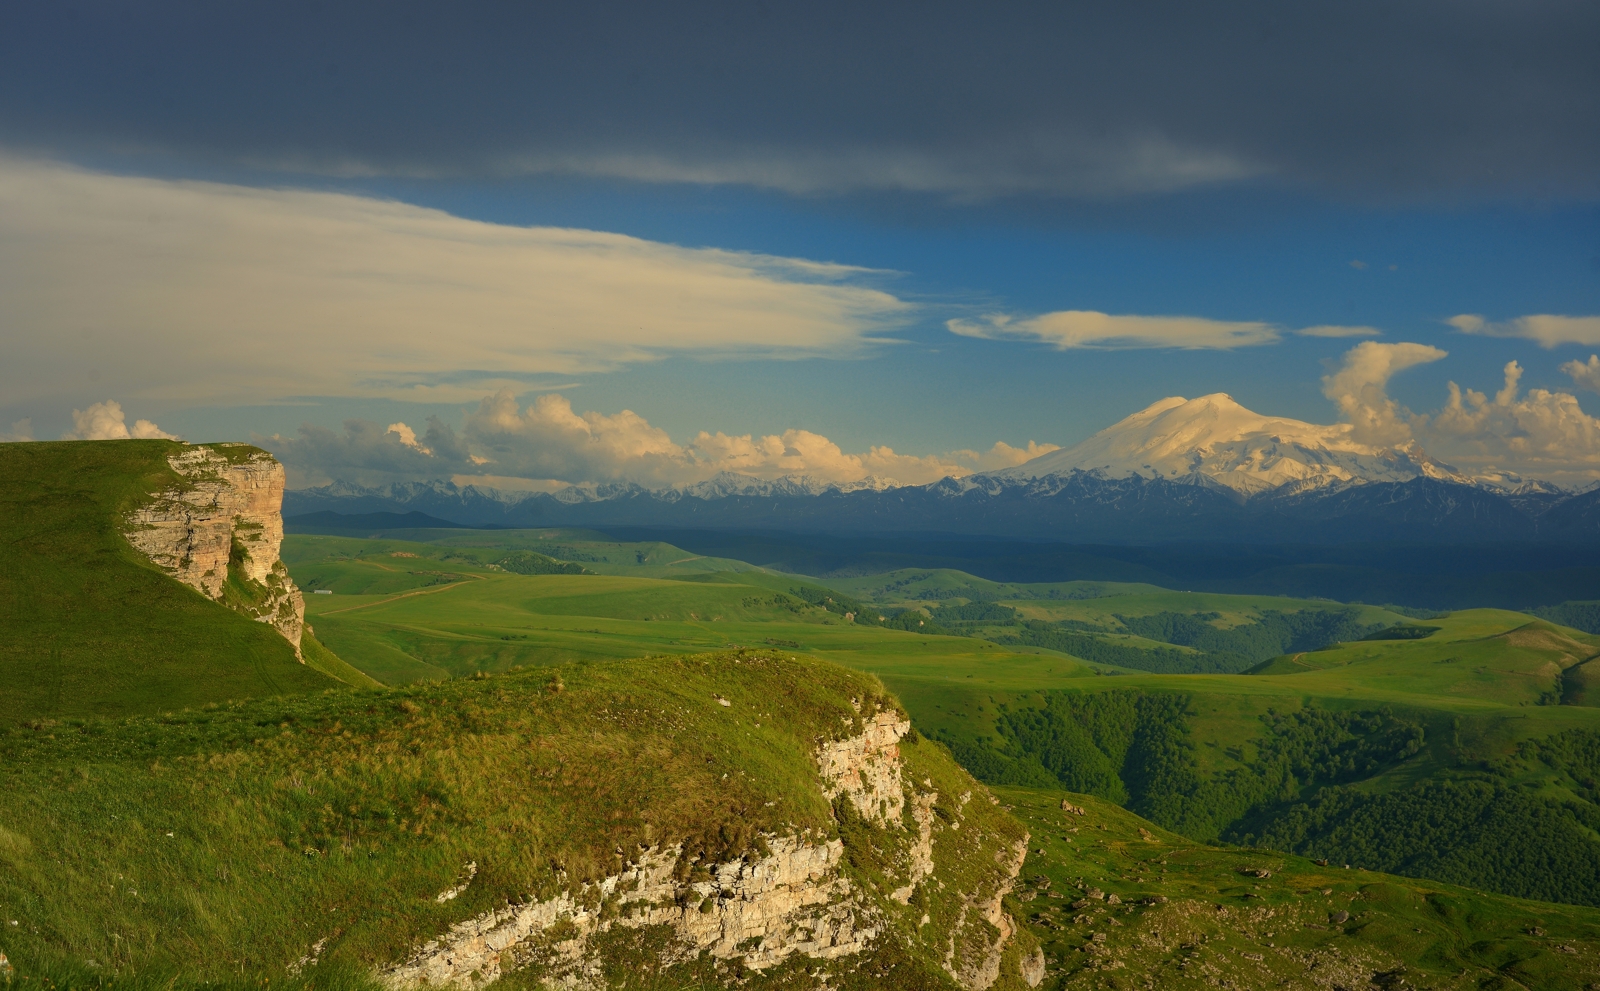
[{"x": 561, "y": 243}]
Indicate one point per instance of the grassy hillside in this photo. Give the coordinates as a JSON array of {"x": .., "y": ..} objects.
[
  {"x": 1110, "y": 626},
  {"x": 408, "y": 610},
  {"x": 1123, "y": 625},
  {"x": 1450, "y": 757},
  {"x": 1516, "y": 575},
  {"x": 91, "y": 626},
  {"x": 1189, "y": 915},
  {"x": 586, "y": 549},
  {"x": 935, "y": 585},
  {"x": 540, "y": 721},
  {"x": 1339, "y": 750},
  {"x": 241, "y": 838}
]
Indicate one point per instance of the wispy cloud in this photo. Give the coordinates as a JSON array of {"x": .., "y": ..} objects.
[
  {"x": 1548, "y": 330},
  {"x": 1333, "y": 330},
  {"x": 1077, "y": 164},
  {"x": 1091, "y": 329},
  {"x": 203, "y": 292},
  {"x": 1104, "y": 331}
]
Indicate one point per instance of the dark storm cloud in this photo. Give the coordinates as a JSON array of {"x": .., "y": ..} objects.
[{"x": 1367, "y": 99}]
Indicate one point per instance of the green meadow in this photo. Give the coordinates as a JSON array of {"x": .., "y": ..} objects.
[
  {"x": 1482, "y": 714},
  {"x": 1119, "y": 902},
  {"x": 181, "y": 806}
]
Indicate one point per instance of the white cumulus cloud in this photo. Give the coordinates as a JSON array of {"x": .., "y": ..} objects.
[
  {"x": 1002, "y": 455},
  {"x": 1359, "y": 389},
  {"x": 1547, "y": 329},
  {"x": 1542, "y": 434},
  {"x": 212, "y": 293},
  {"x": 548, "y": 443},
  {"x": 21, "y": 430},
  {"x": 106, "y": 421},
  {"x": 1585, "y": 375}
]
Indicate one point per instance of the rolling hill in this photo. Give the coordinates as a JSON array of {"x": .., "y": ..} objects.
[
  {"x": 223, "y": 818},
  {"x": 626, "y": 764},
  {"x": 1352, "y": 720}
]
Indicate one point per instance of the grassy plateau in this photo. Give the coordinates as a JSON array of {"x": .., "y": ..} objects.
[{"x": 1219, "y": 790}]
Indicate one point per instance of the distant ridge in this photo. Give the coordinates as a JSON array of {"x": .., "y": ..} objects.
[
  {"x": 1204, "y": 469},
  {"x": 363, "y": 522},
  {"x": 1075, "y": 507}
]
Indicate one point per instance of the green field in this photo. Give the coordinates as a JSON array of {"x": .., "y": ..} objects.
[
  {"x": 1191, "y": 916},
  {"x": 227, "y": 842},
  {"x": 1327, "y": 750},
  {"x": 407, "y": 610},
  {"x": 551, "y": 697}
]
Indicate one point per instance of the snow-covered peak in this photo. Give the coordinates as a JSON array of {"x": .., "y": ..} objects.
[
  {"x": 727, "y": 483},
  {"x": 1215, "y": 438}
]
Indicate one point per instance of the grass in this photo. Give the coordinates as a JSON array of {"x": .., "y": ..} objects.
[
  {"x": 222, "y": 843},
  {"x": 403, "y": 611},
  {"x": 932, "y": 585},
  {"x": 91, "y": 626},
  {"x": 433, "y": 616},
  {"x": 536, "y": 723},
  {"x": 1218, "y": 924},
  {"x": 593, "y": 551},
  {"x": 1476, "y": 686}
]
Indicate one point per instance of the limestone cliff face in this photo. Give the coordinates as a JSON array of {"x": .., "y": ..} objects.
[
  {"x": 227, "y": 514},
  {"x": 763, "y": 910},
  {"x": 798, "y": 897}
]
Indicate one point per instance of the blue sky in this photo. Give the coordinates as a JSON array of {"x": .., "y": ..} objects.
[{"x": 1301, "y": 172}]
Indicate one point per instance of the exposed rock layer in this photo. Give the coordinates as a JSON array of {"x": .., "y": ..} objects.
[
  {"x": 763, "y": 910},
  {"x": 191, "y": 532},
  {"x": 795, "y": 898},
  {"x": 866, "y": 767}
]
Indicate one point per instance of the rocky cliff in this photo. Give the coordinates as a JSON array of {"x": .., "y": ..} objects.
[
  {"x": 800, "y": 896},
  {"x": 219, "y": 531}
]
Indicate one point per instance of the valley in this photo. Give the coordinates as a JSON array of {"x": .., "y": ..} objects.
[
  {"x": 1322, "y": 746},
  {"x": 561, "y": 757}
]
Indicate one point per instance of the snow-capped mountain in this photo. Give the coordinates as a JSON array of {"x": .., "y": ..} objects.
[
  {"x": 1180, "y": 470},
  {"x": 728, "y": 483},
  {"x": 1214, "y": 439}
]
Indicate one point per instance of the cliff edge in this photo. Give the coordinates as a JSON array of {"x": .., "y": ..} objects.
[{"x": 220, "y": 530}]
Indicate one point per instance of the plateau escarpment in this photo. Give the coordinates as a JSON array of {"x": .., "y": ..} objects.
[
  {"x": 736, "y": 819},
  {"x": 788, "y": 896},
  {"x": 223, "y": 522},
  {"x": 92, "y": 628}
]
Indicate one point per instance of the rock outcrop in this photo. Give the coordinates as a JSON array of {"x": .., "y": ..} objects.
[
  {"x": 794, "y": 897},
  {"x": 225, "y": 517},
  {"x": 760, "y": 909},
  {"x": 978, "y": 940},
  {"x": 866, "y": 767}
]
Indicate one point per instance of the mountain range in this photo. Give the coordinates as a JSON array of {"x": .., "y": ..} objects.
[{"x": 1204, "y": 469}]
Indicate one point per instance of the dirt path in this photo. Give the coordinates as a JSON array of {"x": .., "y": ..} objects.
[{"x": 406, "y": 595}]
